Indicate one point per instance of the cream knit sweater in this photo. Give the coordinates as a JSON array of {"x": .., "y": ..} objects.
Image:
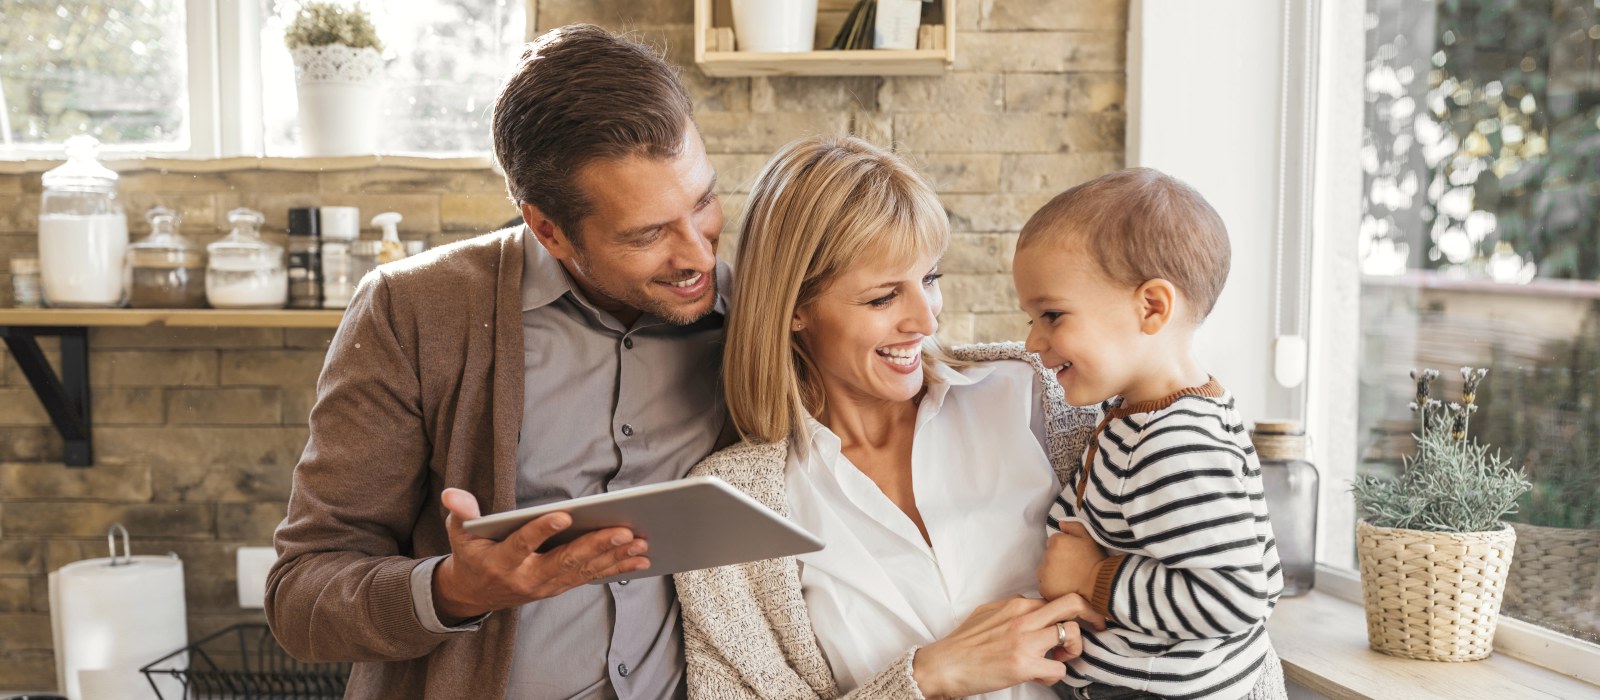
[{"x": 746, "y": 633}]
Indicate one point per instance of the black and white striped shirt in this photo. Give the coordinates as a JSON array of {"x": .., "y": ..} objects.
[{"x": 1171, "y": 489}]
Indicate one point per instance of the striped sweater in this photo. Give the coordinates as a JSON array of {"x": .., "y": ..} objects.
[{"x": 1171, "y": 489}]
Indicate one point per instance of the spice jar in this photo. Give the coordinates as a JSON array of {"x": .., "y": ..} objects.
[
  {"x": 25, "y": 290},
  {"x": 83, "y": 234},
  {"x": 1291, "y": 485},
  {"x": 305, "y": 259},
  {"x": 246, "y": 272},
  {"x": 340, "y": 228},
  {"x": 166, "y": 270}
]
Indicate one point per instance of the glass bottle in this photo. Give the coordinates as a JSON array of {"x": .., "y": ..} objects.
[
  {"x": 83, "y": 234},
  {"x": 166, "y": 270},
  {"x": 245, "y": 271},
  {"x": 1291, "y": 485},
  {"x": 305, "y": 259},
  {"x": 25, "y": 290},
  {"x": 341, "y": 226}
]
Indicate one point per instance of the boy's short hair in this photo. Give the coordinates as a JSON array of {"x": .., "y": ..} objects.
[{"x": 1141, "y": 224}]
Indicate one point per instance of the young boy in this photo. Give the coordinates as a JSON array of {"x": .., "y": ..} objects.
[{"x": 1116, "y": 274}]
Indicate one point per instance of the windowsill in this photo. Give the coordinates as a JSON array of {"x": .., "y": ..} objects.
[
  {"x": 1322, "y": 640},
  {"x": 298, "y": 164}
]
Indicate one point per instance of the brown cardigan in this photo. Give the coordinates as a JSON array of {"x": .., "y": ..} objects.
[{"x": 421, "y": 390}]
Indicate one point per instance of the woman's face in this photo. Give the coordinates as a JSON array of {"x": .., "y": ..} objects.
[{"x": 865, "y": 331}]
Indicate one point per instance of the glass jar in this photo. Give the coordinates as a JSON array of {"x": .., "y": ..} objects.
[
  {"x": 25, "y": 290},
  {"x": 246, "y": 272},
  {"x": 365, "y": 256},
  {"x": 166, "y": 270},
  {"x": 305, "y": 259},
  {"x": 340, "y": 228},
  {"x": 83, "y": 234},
  {"x": 1291, "y": 485}
]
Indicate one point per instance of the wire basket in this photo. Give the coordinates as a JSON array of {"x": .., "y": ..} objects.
[{"x": 244, "y": 661}]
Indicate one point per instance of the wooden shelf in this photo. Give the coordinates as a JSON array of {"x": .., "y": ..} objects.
[
  {"x": 178, "y": 318},
  {"x": 732, "y": 64}
]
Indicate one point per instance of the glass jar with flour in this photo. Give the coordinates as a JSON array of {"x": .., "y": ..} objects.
[
  {"x": 246, "y": 272},
  {"x": 83, "y": 234}
]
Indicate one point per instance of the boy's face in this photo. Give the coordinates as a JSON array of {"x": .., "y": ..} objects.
[{"x": 1084, "y": 326}]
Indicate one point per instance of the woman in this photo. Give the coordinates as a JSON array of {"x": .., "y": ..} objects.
[{"x": 927, "y": 473}]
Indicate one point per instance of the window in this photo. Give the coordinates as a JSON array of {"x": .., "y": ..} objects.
[
  {"x": 204, "y": 79},
  {"x": 117, "y": 69},
  {"x": 1481, "y": 199}
]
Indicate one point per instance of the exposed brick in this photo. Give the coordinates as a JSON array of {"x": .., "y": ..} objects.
[
  {"x": 994, "y": 327},
  {"x": 237, "y": 406},
  {"x": 21, "y": 556},
  {"x": 736, "y": 172},
  {"x": 210, "y": 464},
  {"x": 16, "y": 594},
  {"x": 978, "y": 213},
  {"x": 874, "y": 128},
  {"x": 54, "y": 482},
  {"x": 170, "y": 338},
  {"x": 411, "y": 181},
  {"x": 955, "y": 328},
  {"x": 739, "y": 133},
  {"x": 978, "y": 293},
  {"x": 1040, "y": 52},
  {"x": 152, "y": 367},
  {"x": 27, "y": 659},
  {"x": 982, "y": 133},
  {"x": 979, "y": 252},
  {"x": 615, "y": 14},
  {"x": 477, "y": 212},
  {"x": 250, "y": 523},
  {"x": 271, "y": 367},
  {"x": 197, "y": 211},
  {"x": 30, "y": 444},
  {"x": 59, "y": 519},
  {"x": 128, "y": 406},
  {"x": 20, "y": 406},
  {"x": 1102, "y": 15},
  {"x": 790, "y": 94},
  {"x": 297, "y": 403},
  {"x": 1054, "y": 172},
  {"x": 958, "y": 172},
  {"x": 1070, "y": 92},
  {"x": 307, "y": 338},
  {"x": 954, "y": 92}
]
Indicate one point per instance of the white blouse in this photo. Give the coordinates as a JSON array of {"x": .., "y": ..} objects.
[{"x": 983, "y": 485}]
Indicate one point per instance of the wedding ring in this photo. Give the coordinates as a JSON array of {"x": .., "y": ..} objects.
[{"x": 1061, "y": 635}]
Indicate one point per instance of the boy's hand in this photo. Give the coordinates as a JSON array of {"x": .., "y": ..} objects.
[{"x": 1069, "y": 561}]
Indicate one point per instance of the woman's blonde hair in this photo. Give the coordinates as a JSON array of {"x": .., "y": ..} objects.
[{"x": 822, "y": 205}]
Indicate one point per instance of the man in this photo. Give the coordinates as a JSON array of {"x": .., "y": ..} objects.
[{"x": 573, "y": 355}]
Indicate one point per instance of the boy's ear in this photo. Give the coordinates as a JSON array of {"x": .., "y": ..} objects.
[{"x": 1158, "y": 301}]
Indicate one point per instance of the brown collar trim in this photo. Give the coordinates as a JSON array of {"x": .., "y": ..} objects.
[{"x": 1211, "y": 390}]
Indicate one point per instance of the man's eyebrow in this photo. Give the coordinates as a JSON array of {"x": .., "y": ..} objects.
[{"x": 637, "y": 231}]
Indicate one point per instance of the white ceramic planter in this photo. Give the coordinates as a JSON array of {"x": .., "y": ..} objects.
[
  {"x": 339, "y": 89},
  {"x": 781, "y": 26}
]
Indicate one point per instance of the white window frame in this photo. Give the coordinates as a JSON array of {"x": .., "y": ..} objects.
[{"x": 1162, "y": 136}]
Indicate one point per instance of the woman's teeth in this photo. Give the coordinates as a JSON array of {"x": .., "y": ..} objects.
[
  {"x": 904, "y": 357},
  {"x": 686, "y": 283}
]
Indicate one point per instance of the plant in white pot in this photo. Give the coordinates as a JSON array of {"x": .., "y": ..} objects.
[
  {"x": 338, "y": 67},
  {"x": 1433, "y": 550}
]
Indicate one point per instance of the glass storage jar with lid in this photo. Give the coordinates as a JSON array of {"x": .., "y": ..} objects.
[
  {"x": 166, "y": 270},
  {"x": 83, "y": 234},
  {"x": 246, "y": 272}
]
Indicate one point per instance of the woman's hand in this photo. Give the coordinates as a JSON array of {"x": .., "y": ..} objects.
[{"x": 1002, "y": 644}]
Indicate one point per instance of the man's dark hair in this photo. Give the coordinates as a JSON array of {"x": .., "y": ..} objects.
[{"x": 580, "y": 94}]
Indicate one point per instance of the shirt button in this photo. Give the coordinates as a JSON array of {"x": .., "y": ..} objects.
[
  {"x": 627, "y": 343},
  {"x": 622, "y": 583},
  {"x": 627, "y": 430},
  {"x": 622, "y": 670}
]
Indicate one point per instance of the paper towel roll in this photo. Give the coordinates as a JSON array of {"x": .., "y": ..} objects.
[{"x": 111, "y": 620}]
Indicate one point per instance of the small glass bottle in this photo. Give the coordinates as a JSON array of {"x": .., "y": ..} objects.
[
  {"x": 246, "y": 272},
  {"x": 165, "y": 270},
  {"x": 83, "y": 234},
  {"x": 305, "y": 259},
  {"x": 26, "y": 293},
  {"x": 341, "y": 226},
  {"x": 1291, "y": 485}
]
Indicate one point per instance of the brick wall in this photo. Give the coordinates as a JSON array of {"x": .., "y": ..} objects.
[{"x": 197, "y": 431}]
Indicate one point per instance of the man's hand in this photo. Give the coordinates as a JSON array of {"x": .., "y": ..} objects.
[
  {"x": 482, "y": 575},
  {"x": 1069, "y": 561}
]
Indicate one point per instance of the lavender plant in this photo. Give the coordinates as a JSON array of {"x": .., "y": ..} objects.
[{"x": 1452, "y": 484}]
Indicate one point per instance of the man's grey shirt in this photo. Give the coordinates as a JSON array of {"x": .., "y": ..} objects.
[{"x": 605, "y": 407}]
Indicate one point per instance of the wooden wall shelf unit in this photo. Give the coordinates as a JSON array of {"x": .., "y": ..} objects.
[
  {"x": 66, "y": 396},
  {"x": 709, "y": 14}
]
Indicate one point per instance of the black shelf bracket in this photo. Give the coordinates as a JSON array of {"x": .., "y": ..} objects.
[{"x": 65, "y": 398}]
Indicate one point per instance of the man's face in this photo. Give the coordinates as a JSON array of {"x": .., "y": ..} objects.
[{"x": 650, "y": 243}]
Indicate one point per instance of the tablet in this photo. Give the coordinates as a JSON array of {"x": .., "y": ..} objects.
[{"x": 693, "y": 523}]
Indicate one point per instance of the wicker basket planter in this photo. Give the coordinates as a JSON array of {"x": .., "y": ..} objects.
[
  {"x": 1557, "y": 580},
  {"x": 1433, "y": 595}
]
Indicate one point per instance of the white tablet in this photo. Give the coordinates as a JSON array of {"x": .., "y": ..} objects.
[{"x": 693, "y": 523}]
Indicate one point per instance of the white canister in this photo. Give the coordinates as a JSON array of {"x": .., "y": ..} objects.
[
  {"x": 83, "y": 234},
  {"x": 782, "y": 26}
]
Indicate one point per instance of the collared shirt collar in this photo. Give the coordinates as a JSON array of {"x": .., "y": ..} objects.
[{"x": 545, "y": 280}]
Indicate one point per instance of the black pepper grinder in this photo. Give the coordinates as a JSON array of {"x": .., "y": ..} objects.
[{"x": 305, "y": 258}]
